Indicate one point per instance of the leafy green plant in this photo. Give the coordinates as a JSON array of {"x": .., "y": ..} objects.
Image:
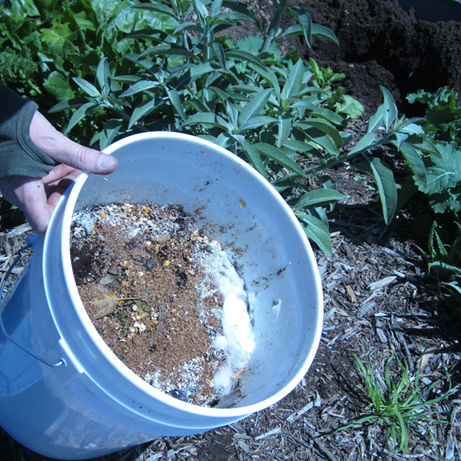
[
  {"x": 431, "y": 151},
  {"x": 398, "y": 401},
  {"x": 442, "y": 121},
  {"x": 43, "y": 43},
  {"x": 275, "y": 111}
]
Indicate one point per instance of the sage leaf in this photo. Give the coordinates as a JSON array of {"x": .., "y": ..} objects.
[
  {"x": 387, "y": 188},
  {"x": 279, "y": 156},
  {"x": 87, "y": 87},
  {"x": 253, "y": 107},
  {"x": 318, "y": 231},
  {"x": 318, "y": 197}
]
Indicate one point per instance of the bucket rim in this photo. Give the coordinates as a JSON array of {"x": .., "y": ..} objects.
[{"x": 65, "y": 209}]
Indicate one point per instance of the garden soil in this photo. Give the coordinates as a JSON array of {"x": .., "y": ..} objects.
[
  {"x": 383, "y": 44},
  {"x": 378, "y": 301}
]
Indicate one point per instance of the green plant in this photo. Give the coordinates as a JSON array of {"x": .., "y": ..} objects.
[
  {"x": 398, "y": 401},
  {"x": 267, "y": 108},
  {"x": 431, "y": 151},
  {"x": 43, "y": 43},
  {"x": 442, "y": 121}
]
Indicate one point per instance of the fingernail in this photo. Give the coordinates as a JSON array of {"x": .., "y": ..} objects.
[{"x": 107, "y": 163}]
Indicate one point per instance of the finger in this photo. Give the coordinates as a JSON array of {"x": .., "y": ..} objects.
[
  {"x": 58, "y": 186},
  {"x": 29, "y": 195},
  {"x": 60, "y": 171},
  {"x": 54, "y": 197},
  {"x": 64, "y": 150},
  {"x": 34, "y": 205}
]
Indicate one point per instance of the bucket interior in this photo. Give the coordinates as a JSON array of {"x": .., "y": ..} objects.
[{"x": 255, "y": 227}]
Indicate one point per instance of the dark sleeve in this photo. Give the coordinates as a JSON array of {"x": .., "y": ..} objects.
[{"x": 18, "y": 154}]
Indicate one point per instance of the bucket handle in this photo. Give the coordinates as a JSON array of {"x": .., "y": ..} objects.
[{"x": 29, "y": 244}]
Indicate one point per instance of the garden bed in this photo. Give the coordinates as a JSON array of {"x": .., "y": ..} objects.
[{"x": 378, "y": 299}]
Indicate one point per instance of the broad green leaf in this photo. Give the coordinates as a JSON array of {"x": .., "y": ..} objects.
[
  {"x": 319, "y": 138},
  {"x": 108, "y": 134},
  {"x": 317, "y": 231},
  {"x": 365, "y": 142},
  {"x": 215, "y": 7},
  {"x": 318, "y": 197},
  {"x": 165, "y": 49},
  {"x": 80, "y": 113},
  {"x": 400, "y": 138},
  {"x": 386, "y": 114},
  {"x": 58, "y": 35},
  {"x": 391, "y": 112},
  {"x": 245, "y": 56},
  {"x": 140, "y": 112},
  {"x": 82, "y": 21},
  {"x": 325, "y": 32},
  {"x": 376, "y": 120},
  {"x": 297, "y": 146},
  {"x": 324, "y": 127},
  {"x": 303, "y": 106},
  {"x": 416, "y": 164},
  {"x": 387, "y": 188},
  {"x": 241, "y": 8},
  {"x": 234, "y": 18},
  {"x": 139, "y": 87},
  {"x": 103, "y": 75},
  {"x": 254, "y": 158},
  {"x": 269, "y": 76},
  {"x": 207, "y": 118},
  {"x": 87, "y": 87},
  {"x": 305, "y": 22},
  {"x": 157, "y": 7},
  {"x": 293, "y": 83},
  {"x": 284, "y": 130},
  {"x": 279, "y": 156},
  {"x": 273, "y": 27},
  {"x": 257, "y": 122},
  {"x": 175, "y": 99},
  {"x": 198, "y": 70},
  {"x": 232, "y": 114},
  {"x": 326, "y": 114},
  {"x": 412, "y": 129},
  {"x": 220, "y": 54},
  {"x": 200, "y": 9},
  {"x": 254, "y": 106},
  {"x": 292, "y": 30},
  {"x": 58, "y": 85},
  {"x": 187, "y": 27},
  {"x": 350, "y": 107},
  {"x": 221, "y": 94},
  {"x": 446, "y": 170}
]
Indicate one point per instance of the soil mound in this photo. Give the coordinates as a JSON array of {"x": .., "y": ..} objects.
[{"x": 381, "y": 43}]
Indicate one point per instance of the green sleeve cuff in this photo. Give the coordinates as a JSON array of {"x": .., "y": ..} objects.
[{"x": 18, "y": 154}]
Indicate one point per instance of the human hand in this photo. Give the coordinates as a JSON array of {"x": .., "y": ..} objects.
[{"x": 37, "y": 197}]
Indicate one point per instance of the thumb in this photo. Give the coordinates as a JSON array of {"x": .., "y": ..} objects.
[{"x": 64, "y": 150}]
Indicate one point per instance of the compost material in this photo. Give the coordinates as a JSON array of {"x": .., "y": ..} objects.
[{"x": 143, "y": 273}]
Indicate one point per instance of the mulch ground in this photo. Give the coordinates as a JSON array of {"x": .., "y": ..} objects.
[{"x": 378, "y": 302}]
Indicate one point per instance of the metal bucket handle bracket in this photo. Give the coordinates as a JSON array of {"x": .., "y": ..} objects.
[{"x": 29, "y": 244}]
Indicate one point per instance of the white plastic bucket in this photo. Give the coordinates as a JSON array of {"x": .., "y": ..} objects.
[{"x": 85, "y": 402}]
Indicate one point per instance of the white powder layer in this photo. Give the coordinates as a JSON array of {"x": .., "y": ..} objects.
[{"x": 237, "y": 341}]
